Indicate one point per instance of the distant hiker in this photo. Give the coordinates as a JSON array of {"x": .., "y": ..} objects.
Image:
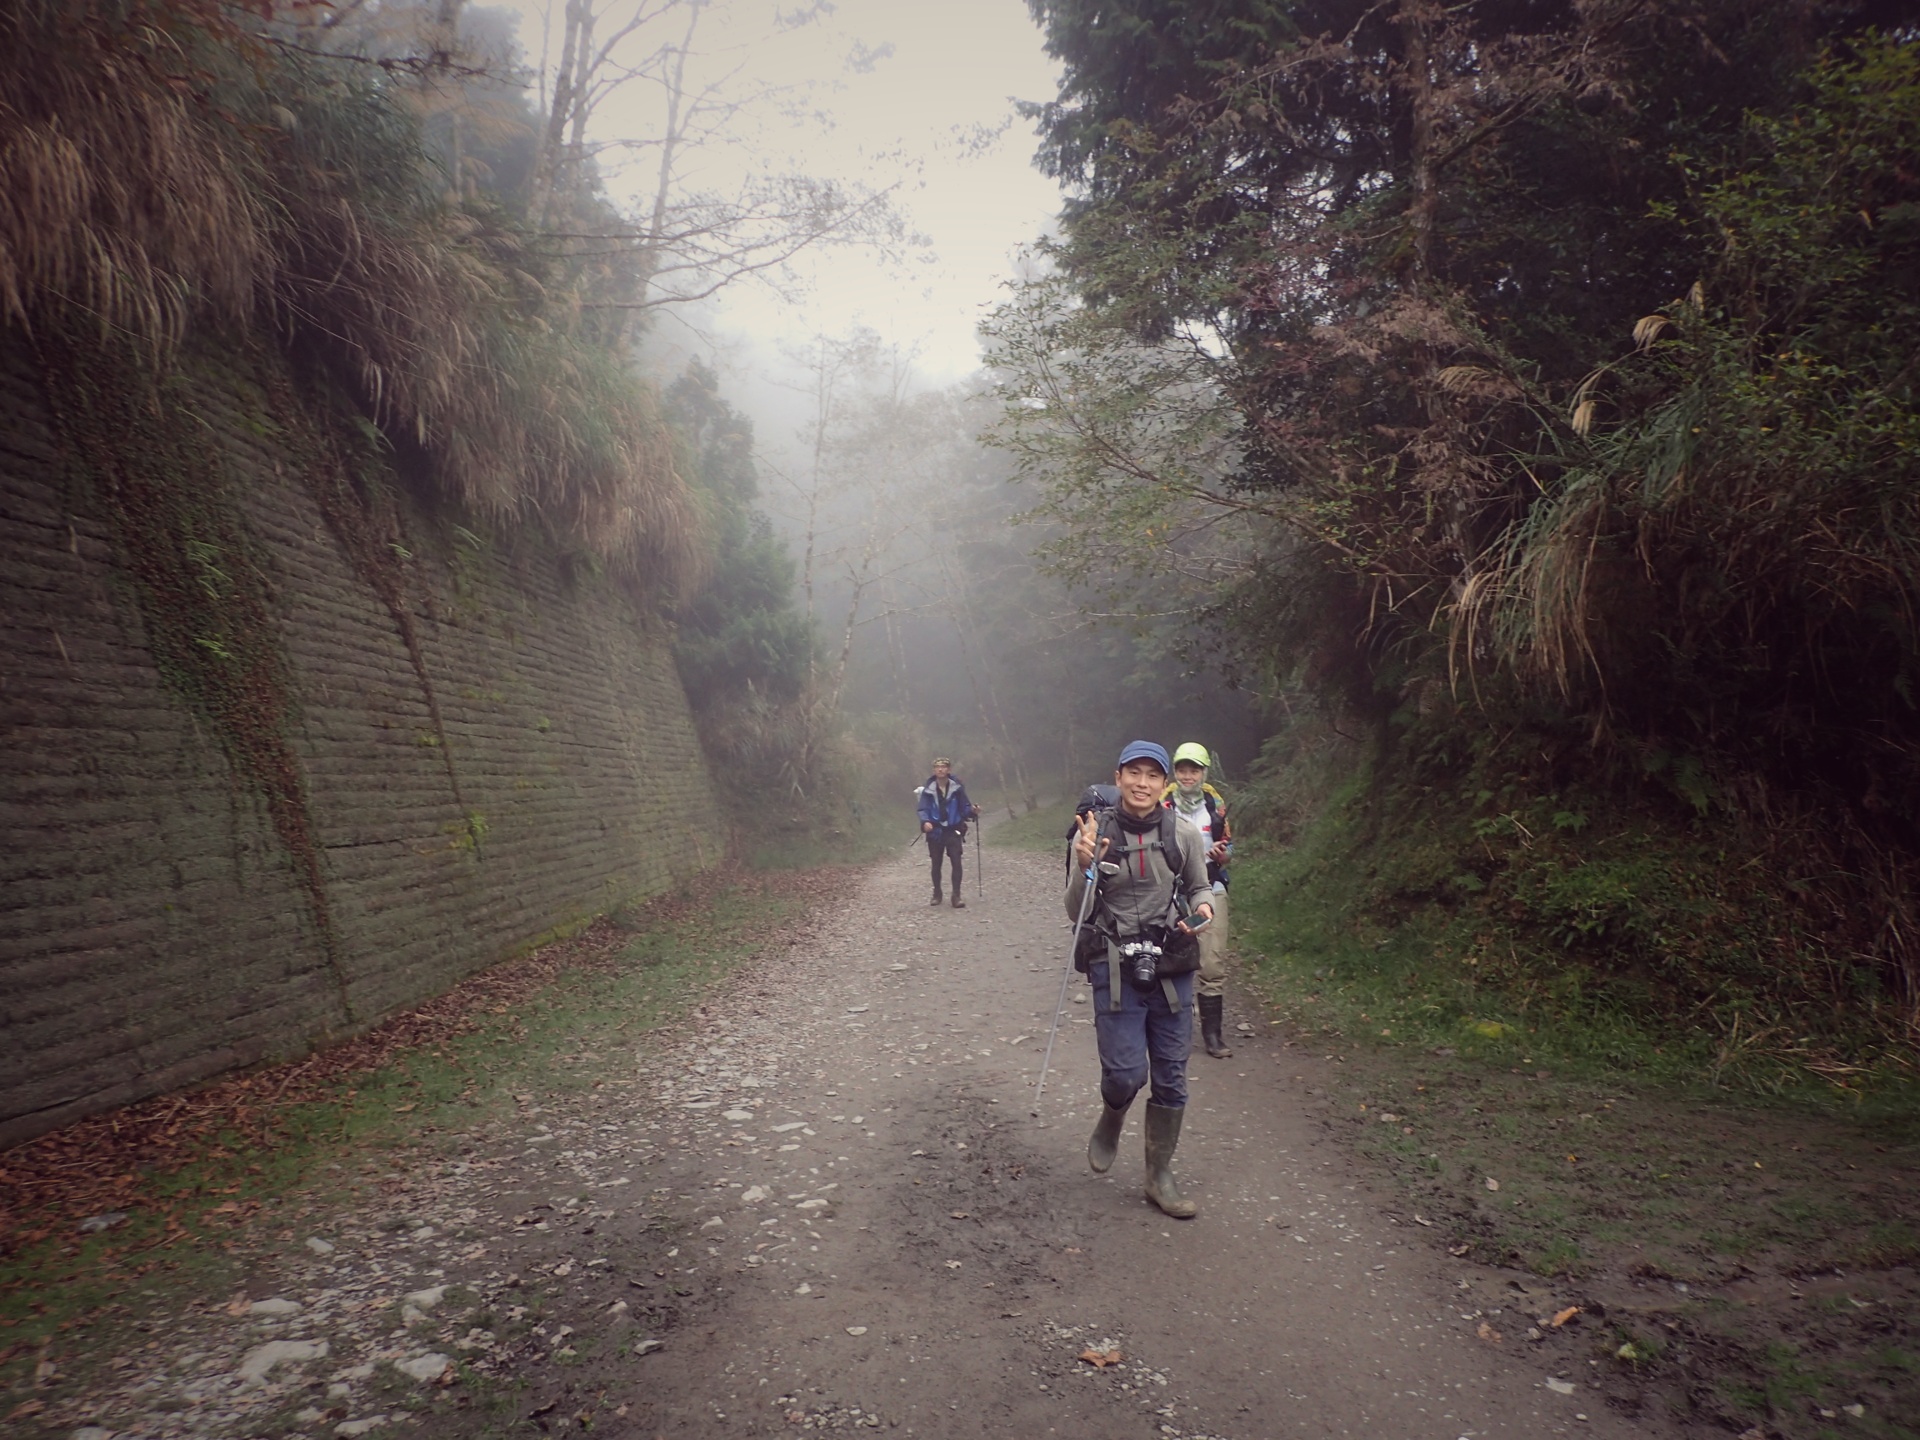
[
  {"x": 1192, "y": 798},
  {"x": 1139, "y": 955},
  {"x": 944, "y": 813}
]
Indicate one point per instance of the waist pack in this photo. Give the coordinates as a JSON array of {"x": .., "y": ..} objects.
[{"x": 1179, "y": 952}]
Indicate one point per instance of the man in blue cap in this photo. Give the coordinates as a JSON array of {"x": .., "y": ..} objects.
[{"x": 1139, "y": 952}]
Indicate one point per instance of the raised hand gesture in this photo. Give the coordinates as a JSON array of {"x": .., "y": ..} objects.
[{"x": 1083, "y": 843}]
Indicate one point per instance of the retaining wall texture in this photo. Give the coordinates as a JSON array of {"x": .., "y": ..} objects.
[{"x": 154, "y": 928}]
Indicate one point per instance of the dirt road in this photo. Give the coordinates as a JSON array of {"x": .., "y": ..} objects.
[{"x": 828, "y": 1203}]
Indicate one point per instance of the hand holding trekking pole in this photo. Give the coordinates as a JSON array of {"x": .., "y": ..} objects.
[{"x": 1083, "y": 855}]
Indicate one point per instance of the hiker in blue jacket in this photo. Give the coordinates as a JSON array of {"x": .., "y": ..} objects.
[{"x": 944, "y": 813}]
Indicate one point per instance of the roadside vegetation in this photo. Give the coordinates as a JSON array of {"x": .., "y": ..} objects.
[
  {"x": 178, "y": 168},
  {"x": 1575, "y": 502}
]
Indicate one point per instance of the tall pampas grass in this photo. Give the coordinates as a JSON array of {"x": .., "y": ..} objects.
[{"x": 164, "y": 163}]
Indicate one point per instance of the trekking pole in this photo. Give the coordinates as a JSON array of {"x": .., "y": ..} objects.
[
  {"x": 1073, "y": 948},
  {"x": 979, "y": 862}
]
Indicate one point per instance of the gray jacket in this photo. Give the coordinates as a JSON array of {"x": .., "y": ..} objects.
[{"x": 1142, "y": 892}]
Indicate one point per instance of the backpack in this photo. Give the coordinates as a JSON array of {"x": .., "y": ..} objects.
[{"x": 1094, "y": 797}]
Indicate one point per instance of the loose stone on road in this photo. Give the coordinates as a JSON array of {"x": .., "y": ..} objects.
[{"x": 823, "y": 1204}]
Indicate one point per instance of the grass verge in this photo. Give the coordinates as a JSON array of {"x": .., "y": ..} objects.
[
  {"x": 1041, "y": 829},
  {"x": 1741, "y": 1237},
  {"x": 174, "y": 1178},
  {"x": 856, "y": 834}
]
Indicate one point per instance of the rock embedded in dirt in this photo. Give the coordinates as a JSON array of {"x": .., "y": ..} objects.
[
  {"x": 273, "y": 1309},
  {"x": 261, "y": 1360},
  {"x": 424, "y": 1368}
]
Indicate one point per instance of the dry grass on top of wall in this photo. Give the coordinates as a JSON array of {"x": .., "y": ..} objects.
[{"x": 163, "y": 165}]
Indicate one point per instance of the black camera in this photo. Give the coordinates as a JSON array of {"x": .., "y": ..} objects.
[{"x": 1142, "y": 960}]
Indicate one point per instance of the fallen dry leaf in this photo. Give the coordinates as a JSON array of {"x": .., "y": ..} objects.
[
  {"x": 1492, "y": 1184},
  {"x": 1565, "y": 1315},
  {"x": 1487, "y": 1333},
  {"x": 1100, "y": 1359}
]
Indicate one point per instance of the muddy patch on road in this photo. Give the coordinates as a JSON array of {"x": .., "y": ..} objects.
[{"x": 972, "y": 1193}]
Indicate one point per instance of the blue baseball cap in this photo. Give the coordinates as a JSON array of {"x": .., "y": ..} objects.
[{"x": 1145, "y": 750}]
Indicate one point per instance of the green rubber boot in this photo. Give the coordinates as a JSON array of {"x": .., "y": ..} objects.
[
  {"x": 1163, "y": 1138},
  {"x": 1105, "y": 1143}
]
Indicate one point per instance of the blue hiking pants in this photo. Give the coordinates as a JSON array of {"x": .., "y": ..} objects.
[{"x": 1144, "y": 1039}]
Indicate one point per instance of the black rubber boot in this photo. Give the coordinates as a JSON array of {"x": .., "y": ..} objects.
[
  {"x": 1106, "y": 1138},
  {"x": 1211, "y": 1020},
  {"x": 1163, "y": 1138}
]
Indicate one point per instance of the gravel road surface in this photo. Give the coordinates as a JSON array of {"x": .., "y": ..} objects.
[{"x": 825, "y": 1203}]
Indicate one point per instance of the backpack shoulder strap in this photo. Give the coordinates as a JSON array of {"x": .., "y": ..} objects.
[{"x": 1170, "y": 843}]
